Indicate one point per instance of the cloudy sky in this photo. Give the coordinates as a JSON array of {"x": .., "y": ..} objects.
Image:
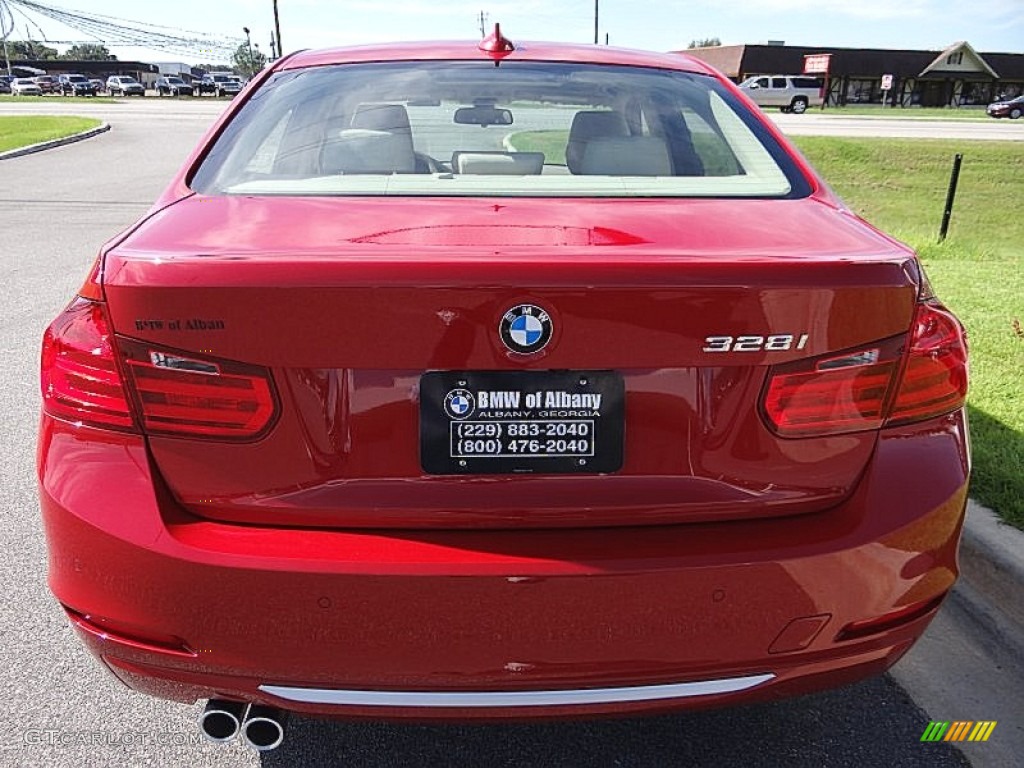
[{"x": 989, "y": 25}]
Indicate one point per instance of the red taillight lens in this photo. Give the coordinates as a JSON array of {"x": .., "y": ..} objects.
[
  {"x": 79, "y": 375},
  {"x": 861, "y": 389},
  {"x": 181, "y": 394},
  {"x": 935, "y": 378},
  {"x": 825, "y": 396}
]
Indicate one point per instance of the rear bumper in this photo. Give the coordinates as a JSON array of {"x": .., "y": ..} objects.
[{"x": 461, "y": 624}]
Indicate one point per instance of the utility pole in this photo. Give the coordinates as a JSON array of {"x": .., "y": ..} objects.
[
  {"x": 5, "y": 14},
  {"x": 595, "y": 22},
  {"x": 483, "y": 24},
  {"x": 273, "y": 48},
  {"x": 277, "y": 29},
  {"x": 248, "y": 41}
]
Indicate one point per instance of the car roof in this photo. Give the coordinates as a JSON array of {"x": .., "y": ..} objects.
[{"x": 469, "y": 50}]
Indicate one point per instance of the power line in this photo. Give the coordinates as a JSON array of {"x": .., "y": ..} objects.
[{"x": 115, "y": 31}]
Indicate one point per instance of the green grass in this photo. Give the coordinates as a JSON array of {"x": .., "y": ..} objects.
[
  {"x": 900, "y": 186},
  {"x": 551, "y": 143},
  {"x": 22, "y": 130}
]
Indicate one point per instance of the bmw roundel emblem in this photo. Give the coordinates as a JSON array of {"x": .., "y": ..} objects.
[
  {"x": 459, "y": 404},
  {"x": 526, "y": 328}
]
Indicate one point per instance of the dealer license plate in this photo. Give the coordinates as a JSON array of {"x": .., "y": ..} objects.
[{"x": 500, "y": 422}]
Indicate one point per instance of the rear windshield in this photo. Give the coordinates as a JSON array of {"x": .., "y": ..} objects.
[{"x": 518, "y": 129}]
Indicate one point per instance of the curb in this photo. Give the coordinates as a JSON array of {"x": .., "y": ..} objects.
[
  {"x": 32, "y": 148},
  {"x": 992, "y": 564}
]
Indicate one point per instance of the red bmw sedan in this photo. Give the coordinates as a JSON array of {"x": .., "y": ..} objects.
[{"x": 466, "y": 380}]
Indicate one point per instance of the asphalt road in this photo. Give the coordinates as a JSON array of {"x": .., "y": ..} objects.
[
  {"x": 62, "y": 709},
  {"x": 831, "y": 123}
]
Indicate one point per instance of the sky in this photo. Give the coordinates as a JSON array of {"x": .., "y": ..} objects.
[{"x": 988, "y": 25}]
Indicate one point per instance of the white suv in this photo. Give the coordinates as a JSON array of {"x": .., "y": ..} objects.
[
  {"x": 122, "y": 85},
  {"x": 791, "y": 93}
]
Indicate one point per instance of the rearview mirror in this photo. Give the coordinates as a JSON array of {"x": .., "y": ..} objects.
[{"x": 483, "y": 115}]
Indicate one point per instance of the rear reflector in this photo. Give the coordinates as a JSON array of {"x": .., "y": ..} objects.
[
  {"x": 179, "y": 393},
  {"x": 891, "y": 620},
  {"x": 79, "y": 375}
]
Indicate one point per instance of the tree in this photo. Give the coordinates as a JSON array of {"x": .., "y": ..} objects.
[
  {"x": 242, "y": 63},
  {"x": 88, "y": 52},
  {"x": 708, "y": 42},
  {"x": 30, "y": 50}
]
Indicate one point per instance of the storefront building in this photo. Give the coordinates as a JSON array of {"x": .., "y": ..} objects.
[{"x": 958, "y": 76}]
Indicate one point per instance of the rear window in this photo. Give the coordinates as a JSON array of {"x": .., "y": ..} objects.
[{"x": 476, "y": 129}]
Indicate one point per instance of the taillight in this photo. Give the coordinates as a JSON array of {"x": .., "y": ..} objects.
[
  {"x": 79, "y": 375},
  {"x": 877, "y": 385},
  {"x": 935, "y": 378},
  {"x": 180, "y": 393}
]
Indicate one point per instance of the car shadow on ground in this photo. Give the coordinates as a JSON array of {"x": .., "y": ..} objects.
[
  {"x": 873, "y": 723},
  {"x": 996, "y": 468}
]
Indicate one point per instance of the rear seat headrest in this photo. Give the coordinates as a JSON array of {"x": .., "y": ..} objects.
[
  {"x": 627, "y": 156},
  {"x": 360, "y": 150},
  {"x": 587, "y": 126}
]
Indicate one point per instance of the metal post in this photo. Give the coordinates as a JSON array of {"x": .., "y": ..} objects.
[
  {"x": 277, "y": 29},
  {"x": 954, "y": 177},
  {"x": 595, "y": 22}
]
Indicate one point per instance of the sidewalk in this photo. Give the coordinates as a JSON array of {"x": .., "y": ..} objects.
[{"x": 969, "y": 665}]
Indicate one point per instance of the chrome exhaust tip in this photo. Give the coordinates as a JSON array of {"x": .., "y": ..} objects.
[
  {"x": 263, "y": 727},
  {"x": 221, "y": 720}
]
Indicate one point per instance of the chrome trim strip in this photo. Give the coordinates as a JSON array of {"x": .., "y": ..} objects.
[{"x": 555, "y": 698}]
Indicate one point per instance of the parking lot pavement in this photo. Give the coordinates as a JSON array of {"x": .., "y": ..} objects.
[{"x": 61, "y": 709}]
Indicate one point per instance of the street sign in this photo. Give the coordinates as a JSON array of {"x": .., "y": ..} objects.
[
  {"x": 817, "y": 63},
  {"x": 886, "y": 82}
]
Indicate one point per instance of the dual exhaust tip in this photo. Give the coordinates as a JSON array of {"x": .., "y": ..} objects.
[{"x": 261, "y": 727}]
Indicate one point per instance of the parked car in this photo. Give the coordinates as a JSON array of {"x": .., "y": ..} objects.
[
  {"x": 47, "y": 83},
  {"x": 368, "y": 418},
  {"x": 99, "y": 85},
  {"x": 1011, "y": 108},
  {"x": 791, "y": 93},
  {"x": 123, "y": 85},
  {"x": 25, "y": 86},
  {"x": 219, "y": 85},
  {"x": 172, "y": 86},
  {"x": 76, "y": 85},
  {"x": 5, "y": 83}
]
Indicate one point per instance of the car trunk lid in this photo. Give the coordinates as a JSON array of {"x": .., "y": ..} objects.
[{"x": 350, "y": 303}]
